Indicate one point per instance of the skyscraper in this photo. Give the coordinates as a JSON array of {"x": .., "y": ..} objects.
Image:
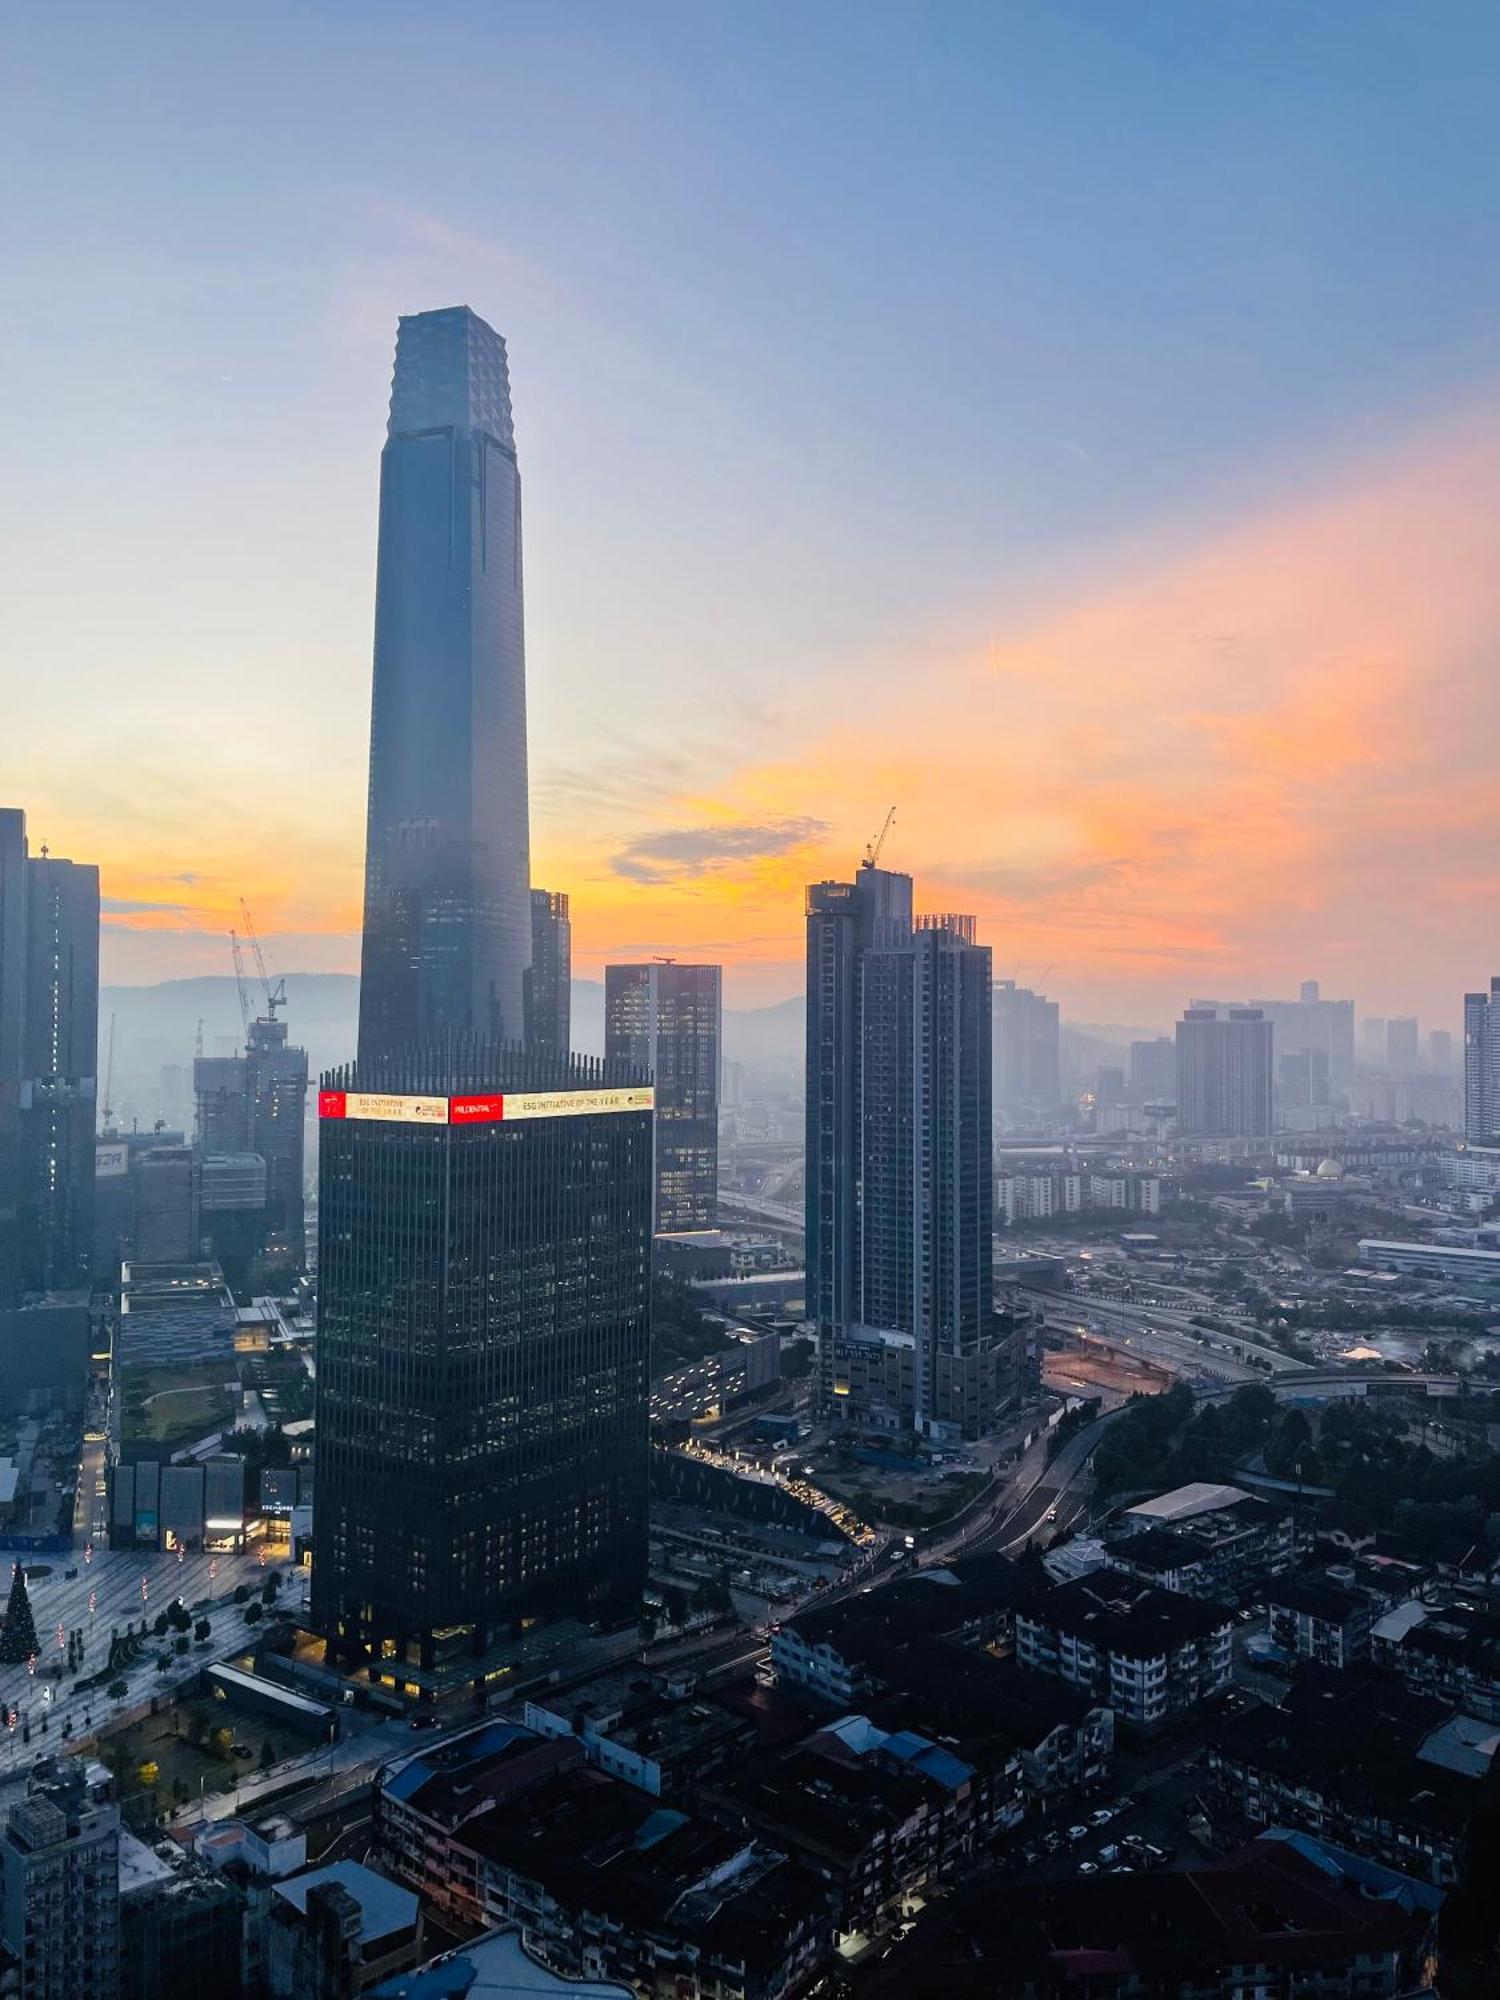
[
  {"x": 484, "y": 1259},
  {"x": 1482, "y": 1066},
  {"x": 1224, "y": 1073},
  {"x": 1153, "y": 1071},
  {"x": 549, "y": 992},
  {"x": 60, "y": 1889},
  {"x": 1026, "y": 1084},
  {"x": 49, "y": 1038},
  {"x": 1402, "y": 1044},
  {"x": 447, "y": 929},
  {"x": 899, "y": 1162},
  {"x": 665, "y": 1020}
]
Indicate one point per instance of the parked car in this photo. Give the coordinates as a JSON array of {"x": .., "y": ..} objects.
[
  {"x": 1076, "y": 1833},
  {"x": 1101, "y": 1816}
]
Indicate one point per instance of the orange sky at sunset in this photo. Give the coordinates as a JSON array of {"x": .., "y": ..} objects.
[{"x": 1215, "y": 768}]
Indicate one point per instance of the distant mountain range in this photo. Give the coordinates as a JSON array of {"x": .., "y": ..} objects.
[{"x": 156, "y": 1031}]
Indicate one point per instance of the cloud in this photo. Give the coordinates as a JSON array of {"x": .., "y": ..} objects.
[
  {"x": 121, "y": 906},
  {"x": 686, "y": 853}
]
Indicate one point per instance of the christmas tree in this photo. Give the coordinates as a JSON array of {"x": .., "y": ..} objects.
[{"x": 18, "y": 1631}]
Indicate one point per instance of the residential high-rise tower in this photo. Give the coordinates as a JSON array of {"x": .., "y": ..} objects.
[
  {"x": 900, "y": 1189},
  {"x": 1482, "y": 1066},
  {"x": 549, "y": 992},
  {"x": 665, "y": 1020},
  {"x": 1224, "y": 1073},
  {"x": 447, "y": 928}
]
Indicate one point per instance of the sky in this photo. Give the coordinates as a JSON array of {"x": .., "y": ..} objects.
[{"x": 1076, "y": 424}]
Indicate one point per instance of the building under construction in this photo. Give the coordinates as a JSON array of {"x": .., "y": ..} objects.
[{"x": 255, "y": 1104}]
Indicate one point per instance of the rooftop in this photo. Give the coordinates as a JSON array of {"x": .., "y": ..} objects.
[
  {"x": 384, "y": 1906},
  {"x": 1121, "y": 1615},
  {"x": 496, "y": 1966},
  {"x": 1185, "y": 1503}
]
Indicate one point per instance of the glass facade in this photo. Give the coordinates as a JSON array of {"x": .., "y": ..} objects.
[
  {"x": 447, "y": 925},
  {"x": 482, "y": 1354},
  {"x": 667, "y": 1019}
]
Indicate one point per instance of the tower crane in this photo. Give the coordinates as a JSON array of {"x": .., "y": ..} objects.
[
  {"x": 872, "y": 852},
  {"x": 239, "y": 980},
  {"x": 275, "y": 994}
]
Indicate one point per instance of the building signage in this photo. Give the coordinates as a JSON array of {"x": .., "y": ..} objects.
[
  {"x": 110, "y": 1162},
  {"x": 494, "y": 1109}
]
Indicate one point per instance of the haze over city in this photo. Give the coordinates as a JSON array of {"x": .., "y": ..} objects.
[{"x": 1117, "y": 495}]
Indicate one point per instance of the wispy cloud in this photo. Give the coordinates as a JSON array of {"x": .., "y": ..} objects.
[{"x": 687, "y": 852}]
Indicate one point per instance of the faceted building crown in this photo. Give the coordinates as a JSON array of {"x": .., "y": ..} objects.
[{"x": 450, "y": 369}]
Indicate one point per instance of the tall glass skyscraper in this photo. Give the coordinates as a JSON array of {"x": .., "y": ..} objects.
[{"x": 447, "y": 932}]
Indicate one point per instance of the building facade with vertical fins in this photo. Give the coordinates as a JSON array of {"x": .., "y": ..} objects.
[
  {"x": 667, "y": 1020},
  {"x": 447, "y": 921},
  {"x": 1224, "y": 1073},
  {"x": 549, "y": 993},
  {"x": 900, "y": 1187},
  {"x": 484, "y": 1271}
]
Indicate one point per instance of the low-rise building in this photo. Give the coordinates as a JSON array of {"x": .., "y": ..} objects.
[
  {"x": 879, "y": 1815},
  {"x": 824, "y": 1651},
  {"x": 1281, "y": 1915},
  {"x": 504, "y": 1826},
  {"x": 631, "y": 1728},
  {"x": 1451, "y": 1652},
  {"x": 1319, "y": 1619},
  {"x": 1355, "y": 1760},
  {"x": 1152, "y": 1656},
  {"x": 1204, "y": 1540},
  {"x": 335, "y": 1932},
  {"x": 60, "y": 1888}
]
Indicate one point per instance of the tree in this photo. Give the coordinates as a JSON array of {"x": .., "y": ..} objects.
[
  {"x": 253, "y": 1614},
  {"x": 160, "y": 1627},
  {"x": 182, "y": 1642},
  {"x": 267, "y": 1754},
  {"x": 202, "y": 1631},
  {"x": 241, "y": 1593},
  {"x": 147, "y": 1774},
  {"x": 116, "y": 1689},
  {"x": 222, "y": 1744},
  {"x": 18, "y": 1631}
]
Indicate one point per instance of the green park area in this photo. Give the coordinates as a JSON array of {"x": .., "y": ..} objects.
[{"x": 172, "y": 1406}]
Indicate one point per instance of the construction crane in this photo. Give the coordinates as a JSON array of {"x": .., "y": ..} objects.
[
  {"x": 239, "y": 981},
  {"x": 109, "y": 1080},
  {"x": 275, "y": 995},
  {"x": 872, "y": 852}
]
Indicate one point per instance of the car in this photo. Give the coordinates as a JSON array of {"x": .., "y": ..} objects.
[
  {"x": 1122, "y": 1868},
  {"x": 1088, "y": 1868},
  {"x": 1052, "y": 1841},
  {"x": 424, "y": 1722},
  {"x": 1101, "y": 1816},
  {"x": 1078, "y": 1833}
]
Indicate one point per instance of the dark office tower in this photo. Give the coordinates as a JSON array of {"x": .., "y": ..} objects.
[
  {"x": 549, "y": 991},
  {"x": 447, "y": 931},
  {"x": 1223, "y": 1073},
  {"x": 899, "y": 1162},
  {"x": 1153, "y": 1071},
  {"x": 665, "y": 1021},
  {"x": 1482, "y": 1066},
  {"x": 1025, "y": 1055},
  {"x": 484, "y": 1263},
  {"x": 49, "y": 1039}
]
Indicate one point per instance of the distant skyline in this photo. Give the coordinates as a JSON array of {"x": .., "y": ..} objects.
[{"x": 1078, "y": 425}]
